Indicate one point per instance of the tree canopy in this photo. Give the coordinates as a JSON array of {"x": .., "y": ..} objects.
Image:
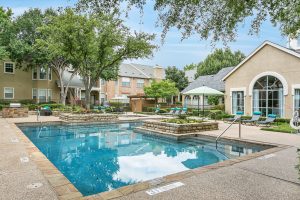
[
  {"x": 217, "y": 60},
  {"x": 5, "y": 31},
  {"x": 162, "y": 89},
  {"x": 96, "y": 45},
  {"x": 190, "y": 67},
  {"x": 217, "y": 20},
  {"x": 178, "y": 77}
]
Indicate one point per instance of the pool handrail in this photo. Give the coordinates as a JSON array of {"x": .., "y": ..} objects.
[{"x": 239, "y": 118}]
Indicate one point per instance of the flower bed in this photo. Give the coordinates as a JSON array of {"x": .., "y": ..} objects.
[
  {"x": 174, "y": 128},
  {"x": 90, "y": 117}
]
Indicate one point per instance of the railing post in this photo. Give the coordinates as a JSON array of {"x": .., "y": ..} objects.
[{"x": 240, "y": 126}]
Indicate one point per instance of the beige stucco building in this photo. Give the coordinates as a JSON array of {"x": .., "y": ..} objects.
[
  {"x": 268, "y": 80},
  {"x": 16, "y": 84}
]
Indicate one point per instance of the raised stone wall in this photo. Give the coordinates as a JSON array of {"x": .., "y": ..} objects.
[
  {"x": 179, "y": 128},
  {"x": 92, "y": 117},
  {"x": 14, "y": 112}
]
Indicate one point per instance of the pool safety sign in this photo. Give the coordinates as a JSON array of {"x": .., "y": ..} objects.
[{"x": 165, "y": 188}]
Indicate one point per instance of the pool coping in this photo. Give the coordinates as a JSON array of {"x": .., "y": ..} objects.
[{"x": 66, "y": 190}]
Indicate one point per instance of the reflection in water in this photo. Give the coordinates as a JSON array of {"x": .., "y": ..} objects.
[{"x": 97, "y": 158}]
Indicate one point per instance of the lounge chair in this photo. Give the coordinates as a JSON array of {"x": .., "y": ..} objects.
[
  {"x": 184, "y": 111},
  {"x": 172, "y": 111},
  {"x": 254, "y": 119},
  {"x": 236, "y": 117},
  {"x": 270, "y": 119},
  {"x": 177, "y": 111},
  {"x": 157, "y": 110}
]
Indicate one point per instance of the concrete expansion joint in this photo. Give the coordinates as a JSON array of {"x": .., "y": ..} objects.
[{"x": 267, "y": 175}]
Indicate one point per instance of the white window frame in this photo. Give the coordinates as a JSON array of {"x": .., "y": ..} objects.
[
  {"x": 49, "y": 73},
  {"x": 140, "y": 83},
  {"x": 38, "y": 70},
  {"x": 242, "y": 89},
  {"x": 46, "y": 75},
  {"x": 13, "y": 92},
  {"x": 4, "y": 68},
  {"x": 36, "y": 93},
  {"x": 37, "y": 76},
  {"x": 125, "y": 80},
  {"x": 49, "y": 94},
  {"x": 294, "y": 87},
  {"x": 48, "y": 91}
]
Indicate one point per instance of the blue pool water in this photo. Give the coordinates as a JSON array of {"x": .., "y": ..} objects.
[{"x": 102, "y": 157}]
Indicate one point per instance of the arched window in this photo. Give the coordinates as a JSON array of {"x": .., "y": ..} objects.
[{"x": 268, "y": 96}]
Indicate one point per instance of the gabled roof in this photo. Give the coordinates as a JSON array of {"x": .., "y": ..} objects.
[
  {"x": 190, "y": 74},
  {"x": 212, "y": 81},
  {"x": 286, "y": 50},
  {"x": 137, "y": 71}
]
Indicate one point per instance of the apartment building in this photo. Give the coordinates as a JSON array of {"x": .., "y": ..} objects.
[
  {"x": 38, "y": 84},
  {"x": 42, "y": 85}
]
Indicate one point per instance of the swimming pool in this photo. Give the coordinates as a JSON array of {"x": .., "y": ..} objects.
[{"x": 102, "y": 157}]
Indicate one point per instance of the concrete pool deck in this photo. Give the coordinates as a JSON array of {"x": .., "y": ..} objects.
[{"x": 274, "y": 177}]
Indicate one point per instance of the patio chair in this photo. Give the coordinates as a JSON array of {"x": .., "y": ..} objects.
[
  {"x": 45, "y": 111},
  {"x": 237, "y": 116},
  {"x": 177, "y": 111},
  {"x": 254, "y": 119},
  {"x": 184, "y": 111},
  {"x": 270, "y": 119}
]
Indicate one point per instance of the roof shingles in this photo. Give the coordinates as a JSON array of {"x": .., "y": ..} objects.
[{"x": 212, "y": 81}]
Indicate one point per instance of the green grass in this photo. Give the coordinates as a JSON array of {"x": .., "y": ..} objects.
[{"x": 281, "y": 127}]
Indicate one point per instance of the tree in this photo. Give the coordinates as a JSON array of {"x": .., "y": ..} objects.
[
  {"x": 178, "y": 77},
  {"x": 5, "y": 31},
  {"x": 217, "y": 60},
  {"x": 190, "y": 67},
  {"x": 162, "y": 89},
  {"x": 96, "y": 45},
  {"x": 52, "y": 42},
  {"x": 21, "y": 46},
  {"x": 34, "y": 42},
  {"x": 218, "y": 19},
  {"x": 213, "y": 100}
]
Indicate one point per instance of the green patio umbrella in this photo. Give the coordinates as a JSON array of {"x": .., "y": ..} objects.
[{"x": 203, "y": 90}]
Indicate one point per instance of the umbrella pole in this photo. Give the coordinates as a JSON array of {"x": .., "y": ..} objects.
[
  {"x": 203, "y": 104},
  {"x": 198, "y": 105}
]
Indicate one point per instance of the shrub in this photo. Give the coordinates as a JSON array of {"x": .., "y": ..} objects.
[
  {"x": 219, "y": 107},
  {"x": 53, "y": 106},
  {"x": 163, "y": 111},
  {"x": 27, "y": 101},
  {"x": 181, "y": 121},
  {"x": 116, "y": 104}
]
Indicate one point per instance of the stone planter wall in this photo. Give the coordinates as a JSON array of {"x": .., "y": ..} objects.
[
  {"x": 93, "y": 117},
  {"x": 179, "y": 128},
  {"x": 14, "y": 112}
]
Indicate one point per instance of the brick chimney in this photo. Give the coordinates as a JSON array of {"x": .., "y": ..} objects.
[{"x": 158, "y": 72}]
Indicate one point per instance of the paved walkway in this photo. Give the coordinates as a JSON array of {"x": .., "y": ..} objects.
[{"x": 271, "y": 178}]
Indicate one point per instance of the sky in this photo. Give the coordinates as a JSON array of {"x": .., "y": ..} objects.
[{"x": 173, "y": 52}]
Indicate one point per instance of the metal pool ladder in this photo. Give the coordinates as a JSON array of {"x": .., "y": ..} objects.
[{"x": 237, "y": 119}]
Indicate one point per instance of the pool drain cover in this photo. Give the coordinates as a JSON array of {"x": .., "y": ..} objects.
[
  {"x": 34, "y": 185},
  {"x": 165, "y": 188},
  {"x": 14, "y": 140},
  {"x": 267, "y": 156},
  {"x": 24, "y": 159}
]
